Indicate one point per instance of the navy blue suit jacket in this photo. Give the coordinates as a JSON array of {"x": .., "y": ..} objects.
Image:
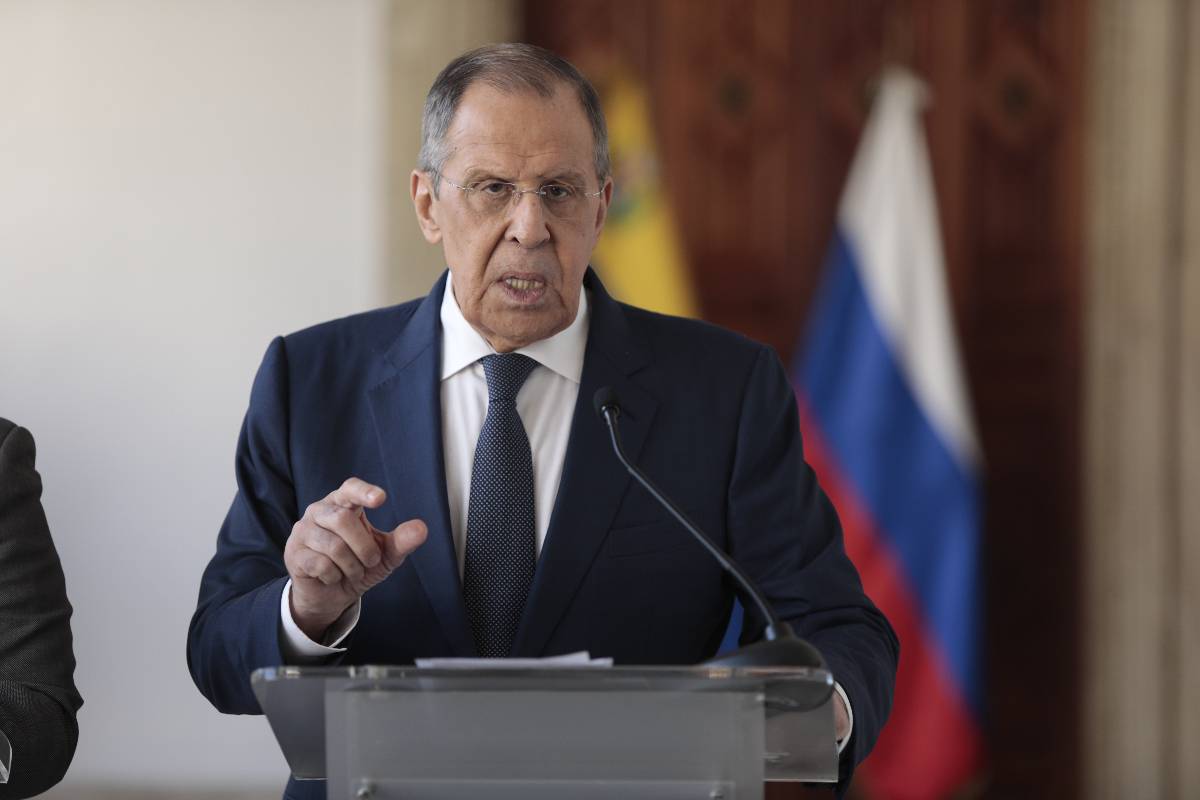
[{"x": 709, "y": 414}]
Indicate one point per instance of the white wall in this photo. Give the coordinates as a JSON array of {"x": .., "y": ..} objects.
[{"x": 179, "y": 181}]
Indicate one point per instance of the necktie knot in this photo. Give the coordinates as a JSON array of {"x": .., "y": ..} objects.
[{"x": 506, "y": 374}]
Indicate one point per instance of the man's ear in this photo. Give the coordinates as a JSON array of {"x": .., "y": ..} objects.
[
  {"x": 605, "y": 200},
  {"x": 421, "y": 187}
]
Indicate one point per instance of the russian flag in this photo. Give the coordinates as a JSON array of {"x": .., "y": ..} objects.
[{"x": 888, "y": 430}]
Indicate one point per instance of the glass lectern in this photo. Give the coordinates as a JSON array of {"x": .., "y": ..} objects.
[{"x": 653, "y": 733}]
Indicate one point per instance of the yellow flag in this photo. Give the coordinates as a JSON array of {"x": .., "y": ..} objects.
[{"x": 639, "y": 256}]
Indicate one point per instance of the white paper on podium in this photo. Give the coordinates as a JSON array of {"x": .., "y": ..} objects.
[{"x": 566, "y": 661}]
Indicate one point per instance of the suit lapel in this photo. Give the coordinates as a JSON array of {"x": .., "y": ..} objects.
[
  {"x": 593, "y": 481},
  {"x": 406, "y": 408}
]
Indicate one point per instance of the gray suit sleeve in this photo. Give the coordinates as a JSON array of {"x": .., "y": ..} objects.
[{"x": 38, "y": 699}]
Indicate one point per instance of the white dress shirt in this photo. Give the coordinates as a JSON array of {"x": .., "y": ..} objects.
[{"x": 546, "y": 404}]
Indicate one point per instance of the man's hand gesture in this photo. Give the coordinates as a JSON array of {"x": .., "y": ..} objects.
[{"x": 335, "y": 554}]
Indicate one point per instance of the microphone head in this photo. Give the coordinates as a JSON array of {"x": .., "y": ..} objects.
[{"x": 605, "y": 398}]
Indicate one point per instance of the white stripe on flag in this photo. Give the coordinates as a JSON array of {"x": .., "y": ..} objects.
[{"x": 889, "y": 217}]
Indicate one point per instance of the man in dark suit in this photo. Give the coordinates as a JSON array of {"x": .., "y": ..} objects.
[
  {"x": 38, "y": 700},
  {"x": 430, "y": 479}
]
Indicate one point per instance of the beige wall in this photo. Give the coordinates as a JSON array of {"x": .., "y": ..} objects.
[
  {"x": 179, "y": 182},
  {"x": 1143, "y": 402}
]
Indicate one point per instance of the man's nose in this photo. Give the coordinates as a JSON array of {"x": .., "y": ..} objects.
[{"x": 527, "y": 220}]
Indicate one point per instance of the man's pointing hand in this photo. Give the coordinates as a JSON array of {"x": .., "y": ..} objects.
[{"x": 334, "y": 554}]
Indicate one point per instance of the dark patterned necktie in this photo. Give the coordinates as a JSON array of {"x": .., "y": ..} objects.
[{"x": 501, "y": 548}]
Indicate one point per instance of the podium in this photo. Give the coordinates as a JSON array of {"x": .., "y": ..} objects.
[{"x": 654, "y": 733}]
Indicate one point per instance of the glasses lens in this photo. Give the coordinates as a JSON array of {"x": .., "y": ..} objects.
[
  {"x": 490, "y": 197},
  {"x": 563, "y": 200}
]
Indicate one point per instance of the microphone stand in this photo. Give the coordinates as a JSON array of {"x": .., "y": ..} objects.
[{"x": 780, "y": 647}]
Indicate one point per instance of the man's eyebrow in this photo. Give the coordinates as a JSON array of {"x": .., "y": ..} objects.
[
  {"x": 567, "y": 176},
  {"x": 570, "y": 176},
  {"x": 474, "y": 174}
]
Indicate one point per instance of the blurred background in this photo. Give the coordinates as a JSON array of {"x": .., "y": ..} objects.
[{"x": 181, "y": 180}]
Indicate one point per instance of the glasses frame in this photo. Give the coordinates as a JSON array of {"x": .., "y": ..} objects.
[{"x": 515, "y": 191}]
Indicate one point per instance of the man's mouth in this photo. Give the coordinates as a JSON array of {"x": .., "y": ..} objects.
[
  {"x": 522, "y": 284},
  {"x": 527, "y": 290}
]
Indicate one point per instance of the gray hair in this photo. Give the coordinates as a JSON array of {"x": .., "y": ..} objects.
[{"x": 508, "y": 67}]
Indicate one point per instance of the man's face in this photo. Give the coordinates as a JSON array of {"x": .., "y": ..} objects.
[{"x": 517, "y": 273}]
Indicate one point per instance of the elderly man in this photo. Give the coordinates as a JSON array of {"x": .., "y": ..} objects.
[
  {"x": 38, "y": 700},
  {"x": 430, "y": 479}
]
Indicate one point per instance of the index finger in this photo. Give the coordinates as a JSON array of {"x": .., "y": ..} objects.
[{"x": 357, "y": 493}]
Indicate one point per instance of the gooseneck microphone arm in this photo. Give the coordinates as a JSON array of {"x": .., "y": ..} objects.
[{"x": 606, "y": 405}]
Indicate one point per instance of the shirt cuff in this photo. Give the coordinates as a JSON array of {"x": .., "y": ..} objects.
[
  {"x": 841, "y": 743},
  {"x": 298, "y": 648}
]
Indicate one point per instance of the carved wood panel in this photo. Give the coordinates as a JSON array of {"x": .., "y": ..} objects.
[{"x": 758, "y": 106}]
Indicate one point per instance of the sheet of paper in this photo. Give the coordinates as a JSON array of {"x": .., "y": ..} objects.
[{"x": 566, "y": 661}]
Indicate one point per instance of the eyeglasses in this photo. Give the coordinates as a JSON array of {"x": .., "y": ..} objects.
[{"x": 492, "y": 198}]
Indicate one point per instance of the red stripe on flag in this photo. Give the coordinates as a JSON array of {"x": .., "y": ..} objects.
[{"x": 930, "y": 745}]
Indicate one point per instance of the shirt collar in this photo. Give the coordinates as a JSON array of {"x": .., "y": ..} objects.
[{"x": 462, "y": 345}]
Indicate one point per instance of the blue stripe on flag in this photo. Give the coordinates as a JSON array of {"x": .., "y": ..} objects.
[{"x": 923, "y": 502}]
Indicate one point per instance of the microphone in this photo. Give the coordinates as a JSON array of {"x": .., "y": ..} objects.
[{"x": 780, "y": 647}]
